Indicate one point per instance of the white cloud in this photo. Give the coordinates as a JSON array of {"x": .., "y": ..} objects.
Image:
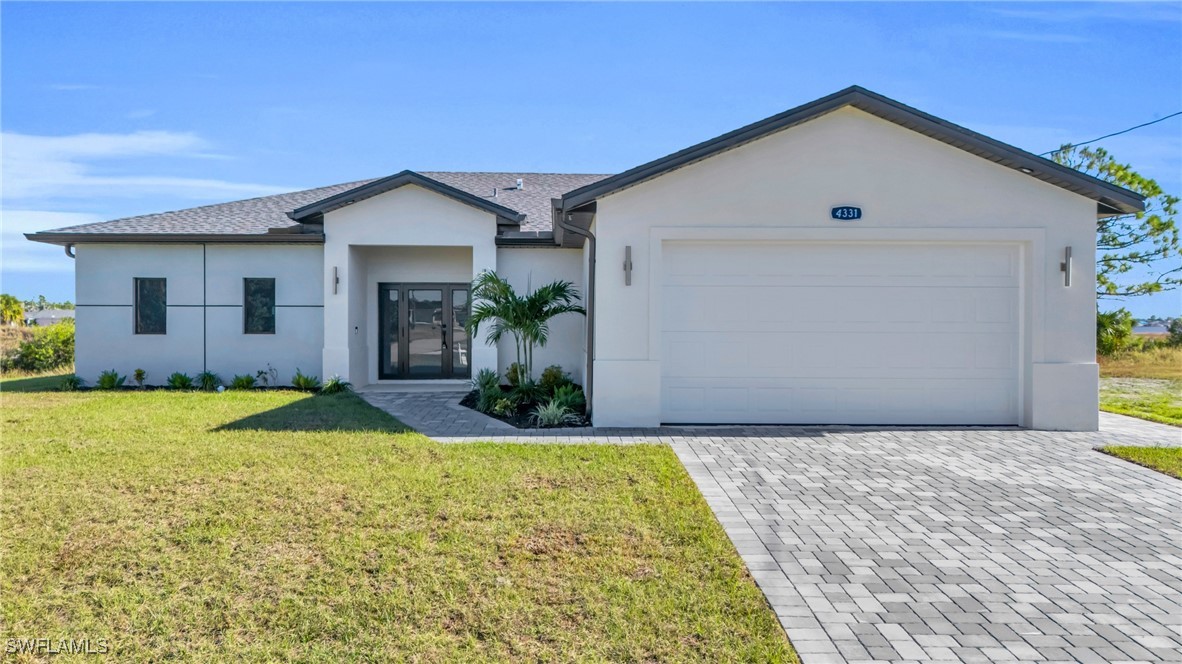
[
  {"x": 1038, "y": 37},
  {"x": 22, "y": 255},
  {"x": 65, "y": 166},
  {"x": 72, "y": 86}
]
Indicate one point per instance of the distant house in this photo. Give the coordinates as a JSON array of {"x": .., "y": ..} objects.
[
  {"x": 48, "y": 316},
  {"x": 1153, "y": 331}
]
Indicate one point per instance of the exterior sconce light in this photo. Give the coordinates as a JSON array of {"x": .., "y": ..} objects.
[
  {"x": 628, "y": 265},
  {"x": 1065, "y": 267},
  {"x": 336, "y": 281}
]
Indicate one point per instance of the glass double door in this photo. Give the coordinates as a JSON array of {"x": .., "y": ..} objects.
[{"x": 421, "y": 331}]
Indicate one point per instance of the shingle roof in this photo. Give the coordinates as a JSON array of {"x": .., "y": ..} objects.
[{"x": 255, "y": 216}]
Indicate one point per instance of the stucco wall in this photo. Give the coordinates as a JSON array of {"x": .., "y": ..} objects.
[
  {"x": 418, "y": 222},
  {"x": 909, "y": 186},
  {"x": 205, "y": 318},
  {"x": 533, "y": 266}
]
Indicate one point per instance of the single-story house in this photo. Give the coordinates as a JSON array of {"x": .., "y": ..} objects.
[
  {"x": 43, "y": 317},
  {"x": 852, "y": 260}
]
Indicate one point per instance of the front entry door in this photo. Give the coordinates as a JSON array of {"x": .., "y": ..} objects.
[{"x": 421, "y": 331}]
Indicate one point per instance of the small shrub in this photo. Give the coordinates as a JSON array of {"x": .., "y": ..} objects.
[
  {"x": 208, "y": 381},
  {"x": 71, "y": 383},
  {"x": 571, "y": 396},
  {"x": 553, "y": 377},
  {"x": 180, "y": 381},
  {"x": 527, "y": 392},
  {"x": 109, "y": 380},
  {"x": 267, "y": 377},
  {"x": 488, "y": 390},
  {"x": 504, "y": 406},
  {"x": 242, "y": 382},
  {"x": 336, "y": 385},
  {"x": 514, "y": 374},
  {"x": 1175, "y": 338},
  {"x": 139, "y": 376},
  {"x": 49, "y": 347},
  {"x": 302, "y": 382},
  {"x": 552, "y": 414},
  {"x": 1114, "y": 331}
]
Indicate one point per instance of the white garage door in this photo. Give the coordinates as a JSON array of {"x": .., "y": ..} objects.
[{"x": 828, "y": 333}]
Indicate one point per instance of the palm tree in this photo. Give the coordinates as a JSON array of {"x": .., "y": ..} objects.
[
  {"x": 11, "y": 310},
  {"x": 526, "y": 319}
]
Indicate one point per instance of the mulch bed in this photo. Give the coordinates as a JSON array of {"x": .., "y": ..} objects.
[{"x": 522, "y": 418}]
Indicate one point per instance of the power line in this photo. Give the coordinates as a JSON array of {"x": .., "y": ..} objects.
[{"x": 1117, "y": 133}]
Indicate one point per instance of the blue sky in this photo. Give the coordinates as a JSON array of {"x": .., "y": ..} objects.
[{"x": 110, "y": 110}]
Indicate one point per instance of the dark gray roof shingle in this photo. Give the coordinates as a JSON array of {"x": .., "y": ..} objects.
[{"x": 255, "y": 216}]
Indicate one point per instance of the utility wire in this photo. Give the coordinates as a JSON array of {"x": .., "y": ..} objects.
[{"x": 1117, "y": 133}]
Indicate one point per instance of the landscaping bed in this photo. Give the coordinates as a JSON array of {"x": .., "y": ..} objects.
[{"x": 521, "y": 417}]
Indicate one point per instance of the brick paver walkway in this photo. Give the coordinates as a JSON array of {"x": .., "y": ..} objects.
[{"x": 922, "y": 544}]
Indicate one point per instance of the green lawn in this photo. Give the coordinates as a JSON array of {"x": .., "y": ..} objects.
[
  {"x": 1157, "y": 400},
  {"x": 277, "y": 525},
  {"x": 1167, "y": 460}
]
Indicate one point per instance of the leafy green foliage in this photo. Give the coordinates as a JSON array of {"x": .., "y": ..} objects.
[
  {"x": 109, "y": 380},
  {"x": 1114, "y": 331},
  {"x": 527, "y": 392},
  {"x": 504, "y": 406},
  {"x": 304, "y": 382},
  {"x": 552, "y": 414},
  {"x": 552, "y": 378},
  {"x": 488, "y": 390},
  {"x": 1125, "y": 242},
  {"x": 71, "y": 383},
  {"x": 43, "y": 302},
  {"x": 513, "y": 374},
  {"x": 336, "y": 385},
  {"x": 526, "y": 318},
  {"x": 180, "y": 381},
  {"x": 242, "y": 382},
  {"x": 11, "y": 310},
  {"x": 50, "y": 347},
  {"x": 208, "y": 381},
  {"x": 139, "y": 376},
  {"x": 571, "y": 396}
]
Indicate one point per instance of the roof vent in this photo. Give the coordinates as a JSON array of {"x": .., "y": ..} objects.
[
  {"x": 520, "y": 184},
  {"x": 494, "y": 192}
]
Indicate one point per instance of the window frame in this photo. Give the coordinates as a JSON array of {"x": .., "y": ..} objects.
[
  {"x": 137, "y": 306},
  {"x": 246, "y": 305}
]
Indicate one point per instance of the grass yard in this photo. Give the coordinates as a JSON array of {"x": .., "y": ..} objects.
[
  {"x": 1144, "y": 384},
  {"x": 1163, "y": 363},
  {"x": 1166, "y": 460},
  {"x": 277, "y": 525},
  {"x": 1151, "y": 399}
]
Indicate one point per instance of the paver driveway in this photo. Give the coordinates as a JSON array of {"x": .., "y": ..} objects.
[
  {"x": 958, "y": 545},
  {"x": 976, "y": 545}
]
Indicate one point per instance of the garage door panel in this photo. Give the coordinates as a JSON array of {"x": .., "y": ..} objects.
[{"x": 829, "y": 333}]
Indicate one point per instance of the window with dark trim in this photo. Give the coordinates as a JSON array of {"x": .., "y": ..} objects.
[
  {"x": 258, "y": 306},
  {"x": 151, "y": 305}
]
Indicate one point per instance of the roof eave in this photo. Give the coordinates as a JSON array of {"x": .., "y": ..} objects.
[
  {"x": 1105, "y": 193},
  {"x": 64, "y": 239},
  {"x": 308, "y": 213}
]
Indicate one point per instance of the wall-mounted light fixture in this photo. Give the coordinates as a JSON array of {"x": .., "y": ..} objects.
[
  {"x": 628, "y": 265},
  {"x": 336, "y": 281},
  {"x": 1065, "y": 267}
]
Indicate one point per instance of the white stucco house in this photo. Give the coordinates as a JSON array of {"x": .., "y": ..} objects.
[{"x": 852, "y": 260}]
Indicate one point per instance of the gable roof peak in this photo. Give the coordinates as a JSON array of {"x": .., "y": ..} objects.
[{"x": 1109, "y": 197}]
